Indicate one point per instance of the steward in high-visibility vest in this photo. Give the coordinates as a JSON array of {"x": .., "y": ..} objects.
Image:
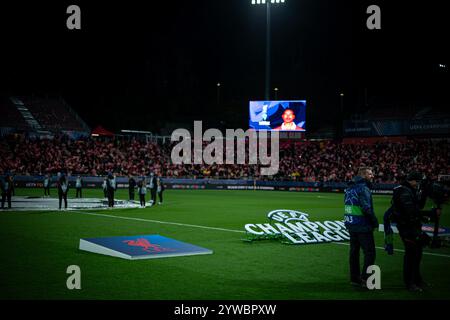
[{"x": 360, "y": 221}]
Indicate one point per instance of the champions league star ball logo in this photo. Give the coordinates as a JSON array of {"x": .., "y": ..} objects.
[{"x": 296, "y": 228}]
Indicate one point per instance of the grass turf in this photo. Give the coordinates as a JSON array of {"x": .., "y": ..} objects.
[{"x": 37, "y": 248}]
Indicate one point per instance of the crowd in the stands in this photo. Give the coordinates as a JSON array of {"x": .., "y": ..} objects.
[{"x": 299, "y": 161}]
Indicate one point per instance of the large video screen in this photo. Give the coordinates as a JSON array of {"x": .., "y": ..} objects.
[{"x": 278, "y": 115}]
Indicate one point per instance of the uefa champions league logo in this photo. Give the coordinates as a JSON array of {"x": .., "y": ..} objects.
[
  {"x": 296, "y": 228},
  {"x": 286, "y": 215}
]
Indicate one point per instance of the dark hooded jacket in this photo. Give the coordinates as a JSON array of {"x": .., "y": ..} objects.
[{"x": 359, "y": 215}]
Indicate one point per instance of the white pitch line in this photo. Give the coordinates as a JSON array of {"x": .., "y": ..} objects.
[
  {"x": 222, "y": 229},
  {"x": 157, "y": 221},
  {"x": 400, "y": 250}
]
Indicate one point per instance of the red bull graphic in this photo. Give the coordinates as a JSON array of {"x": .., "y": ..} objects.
[
  {"x": 147, "y": 246},
  {"x": 141, "y": 247}
]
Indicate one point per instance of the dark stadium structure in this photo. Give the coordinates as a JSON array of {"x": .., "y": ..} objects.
[{"x": 40, "y": 117}]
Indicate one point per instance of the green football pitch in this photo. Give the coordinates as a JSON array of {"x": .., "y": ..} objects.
[{"x": 37, "y": 247}]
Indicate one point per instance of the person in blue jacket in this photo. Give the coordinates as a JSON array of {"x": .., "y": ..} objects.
[{"x": 360, "y": 221}]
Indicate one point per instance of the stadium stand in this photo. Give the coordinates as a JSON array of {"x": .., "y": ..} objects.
[
  {"x": 10, "y": 116},
  {"x": 307, "y": 161},
  {"x": 54, "y": 114},
  {"x": 39, "y": 116}
]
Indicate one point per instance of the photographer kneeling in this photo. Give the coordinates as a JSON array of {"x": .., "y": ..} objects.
[{"x": 408, "y": 203}]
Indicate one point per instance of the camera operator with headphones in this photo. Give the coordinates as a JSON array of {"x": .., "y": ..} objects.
[{"x": 407, "y": 204}]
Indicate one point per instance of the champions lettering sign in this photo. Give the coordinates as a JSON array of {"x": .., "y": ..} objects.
[{"x": 294, "y": 227}]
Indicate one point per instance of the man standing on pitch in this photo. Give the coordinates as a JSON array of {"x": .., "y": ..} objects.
[
  {"x": 360, "y": 221},
  {"x": 78, "y": 186},
  {"x": 131, "y": 187},
  {"x": 159, "y": 189},
  {"x": 47, "y": 185},
  {"x": 153, "y": 187},
  {"x": 110, "y": 187},
  {"x": 408, "y": 203},
  {"x": 13, "y": 189},
  {"x": 105, "y": 187},
  {"x": 63, "y": 189},
  {"x": 142, "y": 190},
  {"x": 6, "y": 187}
]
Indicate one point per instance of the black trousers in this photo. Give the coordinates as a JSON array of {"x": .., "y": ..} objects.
[
  {"x": 6, "y": 196},
  {"x": 61, "y": 196},
  {"x": 142, "y": 199},
  {"x": 411, "y": 261},
  {"x": 131, "y": 194},
  {"x": 47, "y": 191},
  {"x": 153, "y": 195},
  {"x": 110, "y": 198},
  {"x": 160, "y": 196},
  {"x": 78, "y": 191},
  {"x": 366, "y": 242}
]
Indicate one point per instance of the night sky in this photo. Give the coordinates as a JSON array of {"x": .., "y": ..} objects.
[{"x": 136, "y": 66}]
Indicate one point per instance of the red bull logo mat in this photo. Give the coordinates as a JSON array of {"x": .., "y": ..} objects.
[{"x": 141, "y": 247}]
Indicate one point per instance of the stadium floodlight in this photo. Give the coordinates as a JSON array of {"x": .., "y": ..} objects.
[
  {"x": 267, "y": 3},
  {"x": 218, "y": 93}
]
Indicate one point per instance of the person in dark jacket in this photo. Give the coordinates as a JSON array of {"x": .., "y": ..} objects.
[
  {"x": 142, "y": 191},
  {"x": 63, "y": 189},
  {"x": 159, "y": 189},
  {"x": 360, "y": 221},
  {"x": 152, "y": 186},
  {"x": 111, "y": 188},
  {"x": 408, "y": 215},
  {"x": 105, "y": 187},
  {"x": 46, "y": 183},
  {"x": 13, "y": 189},
  {"x": 79, "y": 186},
  {"x": 6, "y": 188},
  {"x": 131, "y": 187}
]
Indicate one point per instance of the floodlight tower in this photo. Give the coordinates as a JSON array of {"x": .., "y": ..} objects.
[{"x": 268, "y": 4}]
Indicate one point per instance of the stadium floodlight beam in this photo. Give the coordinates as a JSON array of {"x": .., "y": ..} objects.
[{"x": 268, "y": 4}]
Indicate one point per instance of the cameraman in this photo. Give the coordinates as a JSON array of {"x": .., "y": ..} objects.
[{"x": 408, "y": 203}]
